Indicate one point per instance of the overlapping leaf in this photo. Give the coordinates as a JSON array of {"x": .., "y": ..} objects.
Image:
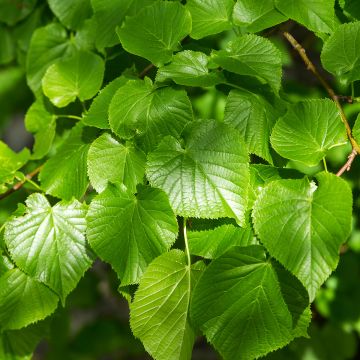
[
  {"x": 140, "y": 109},
  {"x": 48, "y": 243},
  {"x": 308, "y": 131},
  {"x": 245, "y": 304},
  {"x": 252, "y": 55},
  {"x": 129, "y": 231},
  {"x": 111, "y": 161},
  {"x": 209, "y": 16},
  {"x": 141, "y": 34},
  {"x": 208, "y": 177},
  {"x": 303, "y": 225},
  {"x": 159, "y": 312},
  {"x": 23, "y": 300}
]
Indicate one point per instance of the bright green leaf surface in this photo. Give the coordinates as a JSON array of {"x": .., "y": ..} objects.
[
  {"x": 308, "y": 130},
  {"x": 109, "y": 14},
  {"x": 10, "y": 162},
  {"x": 97, "y": 115},
  {"x": 79, "y": 76},
  {"x": 240, "y": 305},
  {"x": 24, "y": 300},
  {"x": 111, "y": 161},
  {"x": 64, "y": 174},
  {"x": 129, "y": 231},
  {"x": 47, "y": 45},
  {"x": 257, "y": 15},
  {"x": 252, "y": 55},
  {"x": 356, "y": 130},
  {"x": 212, "y": 243},
  {"x": 303, "y": 225},
  {"x": 12, "y": 11},
  {"x": 341, "y": 52},
  {"x": 159, "y": 313},
  {"x": 42, "y": 123},
  {"x": 209, "y": 16},
  {"x": 254, "y": 117},
  {"x": 189, "y": 68},
  {"x": 138, "y": 108},
  {"x": 141, "y": 34},
  {"x": 316, "y": 15},
  {"x": 208, "y": 177},
  {"x": 48, "y": 243},
  {"x": 71, "y": 13}
]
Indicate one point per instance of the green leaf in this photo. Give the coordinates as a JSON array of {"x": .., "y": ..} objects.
[
  {"x": 189, "y": 68},
  {"x": 71, "y": 13},
  {"x": 79, "y": 76},
  {"x": 10, "y": 162},
  {"x": 97, "y": 115},
  {"x": 159, "y": 312},
  {"x": 302, "y": 225},
  {"x": 308, "y": 130},
  {"x": 7, "y": 53},
  {"x": 257, "y": 16},
  {"x": 352, "y": 7},
  {"x": 252, "y": 55},
  {"x": 111, "y": 161},
  {"x": 316, "y": 15},
  {"x": 42, "y": 123},
  {"x": 12, "y": 11},
  {"x": 48, "y": 44},
  {"x": 23, "y": 300},
  {"x": 109, "y": 14},
  {"x": 48, "y": 243},
  {"x": 208, "y": 177},
  {"x": 213, "y": 243},
  {"x": 141, "y": 34},
  {"x": 129, "y": 231},
  {"x": 209, "y": 16},
  {"x": 341, "y": 52},
  {"x": 254, "y": 117},
  {"x": 64, "y": 174},
  {"x": 241, "y": 307},
  {"x": 356, "y": 130},
  {"x": 138, "y": 108}
]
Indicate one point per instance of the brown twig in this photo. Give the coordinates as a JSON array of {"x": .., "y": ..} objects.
[
  {"x": 146, "y": 70},
  {"x": 20, "y": 184},
  {"x": 311, "y": 67}
]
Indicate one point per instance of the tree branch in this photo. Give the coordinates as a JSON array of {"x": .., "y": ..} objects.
[
  {"x": 146, "y": 70},
  {"x": 20, "y": 184},
  {"x": 311, "y": 67}
]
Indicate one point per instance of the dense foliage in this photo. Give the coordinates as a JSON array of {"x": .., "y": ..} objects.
[{"x": 177, "y": 142}]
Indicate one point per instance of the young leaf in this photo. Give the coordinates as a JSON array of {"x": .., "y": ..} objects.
[
  {"x": 138, "y": 108},
  {"x": 159, "y": 312},
  {"x": 213, "y": 243},
  {"x": 252, "y": 55},
  {"x": 48, "y": 243},
  {"x": 241, "y": 307},
  {"x": 23, "y": 300},
  {"x": 10, "y": 162},
  {"x": 79, "y": 76},
  {"x": 257, "y": 16},
  {"x": 316, "y": 15},
  {"x": 189, "y": 68},
  {"x": 71, "y": 13},
  {"x": 40, "y": 121},
  {"x": 308, "y": 130},
  {"x": 64, "y": 174},
  {"x": 141, "y": 34},
  {"x": 208, "y": 177},
  {"x": 303, "y": 225},
  {"x": 129, "y": 231},
  {"x": 254, "y": 117},
  {"x": 48, "y": 44},
  {"x": 97, "y": 115},
  {"x": 341, "y": 52},
  {"x": 111, "y": 161}
]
